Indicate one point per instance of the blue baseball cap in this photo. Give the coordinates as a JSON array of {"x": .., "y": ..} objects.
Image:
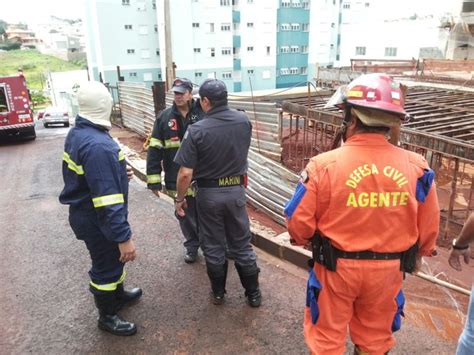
[
  {"x": 182, "y": 85},
  {"x": 213, "y": 89}
]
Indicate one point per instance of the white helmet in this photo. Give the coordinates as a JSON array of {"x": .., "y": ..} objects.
[{"x": 95, "y": 103}]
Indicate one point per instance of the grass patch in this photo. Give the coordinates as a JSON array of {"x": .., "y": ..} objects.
[{"x": 35, "y": 66}]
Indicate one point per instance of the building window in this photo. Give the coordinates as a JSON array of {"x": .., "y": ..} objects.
[
  {"x": 147, "y": 76},
  {"x": 125, "y": 2},
  {"x": 284, "y": 71},
  {"x": 306, "y": 5},
  {"x": 250, "y": 72},
  {"x": 268, "y": 50},
  {"x": 157, "y": 52},
  {"x": 295, "y": 49},
  {"x": 195, "y": 24},
  {"x": 197, "y": 50},
  {"x": 153, "y": 5},
  {"x": 156, "y": 28},
  {"x": 295, "y": 26},
  {"x": 333, "y": 25},
  {"x": 296, "y": 3},
  {"x": 303, "y": 70},
  {"x": 284, "y": 49},
  {"x": 128, "y": 27},
  {"x": 212, "y": 52},
  {"x": 346, "y": 6},
  {"x": 143, "y": 29},
  {"x": 225, "y": 27},
  {"x": 250, "y": 24},
  {"x": 225, "y": 2},
  {"x": 249, "y": 1},
  {"x": 198, "y": 75},
  {"x": 226, "y": 51},
  {"x": 235, "y": 2},
  {"x": 294, "y": 71},
  {"x": 227, "y": 75},
  {"x": 130, "y": 51},
  {"x": 249, "y": 49},
  {"x": 367, "y": 4},
  {"x": 159, "y": 76},
  {"x": 360, "y": 50},
  {"x": 285, "y": 26},
  {"x": 211, "y": 27},
  {"x": 304, "y": 49},
  {"x": 132, "y": 74},
  {"x": 286, "y": 3},
  {"x": 305, "y": 27},
  {"x": 390, "y": 51}
]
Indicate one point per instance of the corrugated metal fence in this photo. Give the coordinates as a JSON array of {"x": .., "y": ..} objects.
[{"x": 136, "y": 103}]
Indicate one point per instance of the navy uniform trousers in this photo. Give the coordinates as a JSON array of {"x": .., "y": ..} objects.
[
  {"x": 223, "y": 221},
  {"x": 107, "y": 269}
]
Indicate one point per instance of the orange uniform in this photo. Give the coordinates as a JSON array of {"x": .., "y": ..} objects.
[{"x": 365, "y": 196}]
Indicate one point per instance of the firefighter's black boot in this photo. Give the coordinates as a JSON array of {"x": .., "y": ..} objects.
[
  {"x": 125, "y": 297},
  {"x": 249, "y": 278},
  {"x": 108, "y": 319},
  {"x": 218, "y": 276}
]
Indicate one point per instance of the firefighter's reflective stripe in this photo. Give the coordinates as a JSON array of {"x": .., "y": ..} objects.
[
  {"x": 72, "y": 165},
  {"x": 107, "y": 200},
  {"x": 111, "y": 286},
  {"x": 172, "y": 193},
  {"x": 156, "y": 143},
  {"x": 172, "y": 144},
  {"x": 121, "y": 155},
  {"x": 153, "y": 179}
]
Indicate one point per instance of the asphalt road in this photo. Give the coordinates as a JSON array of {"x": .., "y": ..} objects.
[{"x": 46, "y": 307}]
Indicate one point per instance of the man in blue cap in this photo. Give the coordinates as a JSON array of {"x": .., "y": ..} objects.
[
  {"x": 168, "y": 131},
  {"x": 221, "y": 180}
]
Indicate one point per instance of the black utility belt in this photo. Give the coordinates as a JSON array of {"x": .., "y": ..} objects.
[
  {"x": 366, "y": 255},
  {"x": 226, "y": 181}
]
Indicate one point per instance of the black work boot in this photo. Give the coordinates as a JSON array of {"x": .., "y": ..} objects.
[
  {"x": 125, "y": 297},
  {"x": 218, "y": 276},
  {"x": 249, "y": 278},
  {"x": 190, "y": 258},
  {"x": 108, "y": 318}
]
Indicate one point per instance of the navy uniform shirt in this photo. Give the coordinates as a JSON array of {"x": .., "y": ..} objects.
[{"x": 217, "y": 146}]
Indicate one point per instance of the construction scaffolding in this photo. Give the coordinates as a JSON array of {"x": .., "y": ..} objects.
[{"x": 441, "y": 129}]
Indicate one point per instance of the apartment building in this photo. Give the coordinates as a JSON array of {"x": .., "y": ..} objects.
[{"x": 249, "y": 44}]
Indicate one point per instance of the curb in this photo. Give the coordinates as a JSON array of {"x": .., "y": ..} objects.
[{"x": 262, "y": 237}]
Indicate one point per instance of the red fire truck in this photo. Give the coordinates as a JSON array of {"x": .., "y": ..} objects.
[{"x": 16, "y": 113}]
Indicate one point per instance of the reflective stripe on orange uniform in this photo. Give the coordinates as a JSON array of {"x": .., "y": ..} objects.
[{"x": 363, "y": 197}]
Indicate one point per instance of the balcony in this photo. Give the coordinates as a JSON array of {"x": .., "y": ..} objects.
[
  {"x": 237, "y": 64},
  {"x": 236, "y": 16}
]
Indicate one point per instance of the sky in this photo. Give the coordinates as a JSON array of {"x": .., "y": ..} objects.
[{"x": 38, "y": 11}]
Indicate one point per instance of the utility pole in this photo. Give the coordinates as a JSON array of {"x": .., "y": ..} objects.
[{"x": 170, "y": 73}]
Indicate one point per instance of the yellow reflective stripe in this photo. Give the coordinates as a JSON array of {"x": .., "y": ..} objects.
[
  {"x": 107, "y": 200},
  {"x": 172, "y": 144},
  {"x": 72, "y": 165},
  {"x": 153, "y": 179},
  {"x": 121, "y": 155},
  {"x": 111, "y": 286},
  {"x": 172, "y": 193},
  {"x": 156, "y": 143}
]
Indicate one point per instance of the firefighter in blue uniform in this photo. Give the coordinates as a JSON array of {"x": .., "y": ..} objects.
[
  {"x": 96, "y": 190},
  {"x": 214, "y": 153},
  {"x": 168, "y": 131}
]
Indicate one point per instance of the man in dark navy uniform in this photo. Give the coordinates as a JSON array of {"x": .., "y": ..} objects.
[
  {"x": 168, "y": 131},
  {"x": 96, "y": 190},
  {"x": 214, "y": 153}
]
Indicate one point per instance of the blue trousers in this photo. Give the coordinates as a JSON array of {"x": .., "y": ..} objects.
[
  {"x": 107, "y": 269},
  {"x": 466, "y": 340}
]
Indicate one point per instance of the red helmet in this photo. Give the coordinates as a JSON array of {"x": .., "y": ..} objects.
[{"x": 372, "y": 91}]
